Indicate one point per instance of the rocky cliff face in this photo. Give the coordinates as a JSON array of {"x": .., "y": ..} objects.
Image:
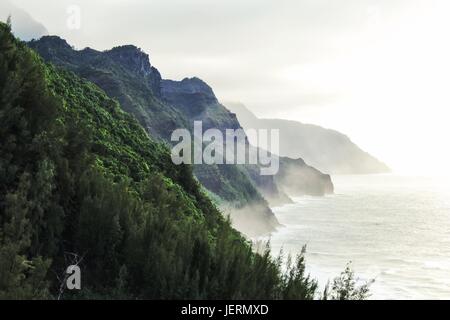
[
  {"x": 137, "y": 62},
  {"x": 197, "y": 101},
  {"x": 188, "y": 86},
  {"x": 126, "y": 74},
  {"x": 191, "y": 95},
  {"x": 297, "y": 178},
  {"x": 132, "y": 58}
]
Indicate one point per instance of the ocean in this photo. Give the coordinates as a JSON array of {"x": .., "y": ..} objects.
[{"x": 394, "y": 229}]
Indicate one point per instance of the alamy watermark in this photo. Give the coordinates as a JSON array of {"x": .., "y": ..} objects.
[
  {"x": 73, "y": 280},
  {"x": 212, "y": 147}
]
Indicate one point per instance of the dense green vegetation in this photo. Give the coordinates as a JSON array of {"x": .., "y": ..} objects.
[
  {"x": 161, "y": 106},
  {"x": 82, "y": 182},
  {"x": 346, "y": 287},
  {"x": 125, "y": 74}
]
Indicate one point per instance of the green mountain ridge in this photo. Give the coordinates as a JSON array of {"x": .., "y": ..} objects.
[
  {"x": 83, "y": 183},
  {"x": 125, "y": 73}
]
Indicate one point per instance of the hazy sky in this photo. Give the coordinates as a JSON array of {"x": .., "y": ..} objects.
[{"x": 375, "y": 70}]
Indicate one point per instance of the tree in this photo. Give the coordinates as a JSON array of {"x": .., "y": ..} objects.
[
  {"x": 20, "y": 276},
  {"x": 345, "y": 287}
]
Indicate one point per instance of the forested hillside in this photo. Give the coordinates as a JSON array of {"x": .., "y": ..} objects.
[
  {"x": 125, "y": 74},
  {"x": 82, "y": 182}
]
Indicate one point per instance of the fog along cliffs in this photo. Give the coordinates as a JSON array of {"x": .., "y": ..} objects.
[
  {"x": 161, "y": 106},
  {"x": 325, "y": 149}
]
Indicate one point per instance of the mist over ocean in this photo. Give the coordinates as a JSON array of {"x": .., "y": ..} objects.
[{"x": 393, "y": 228}]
